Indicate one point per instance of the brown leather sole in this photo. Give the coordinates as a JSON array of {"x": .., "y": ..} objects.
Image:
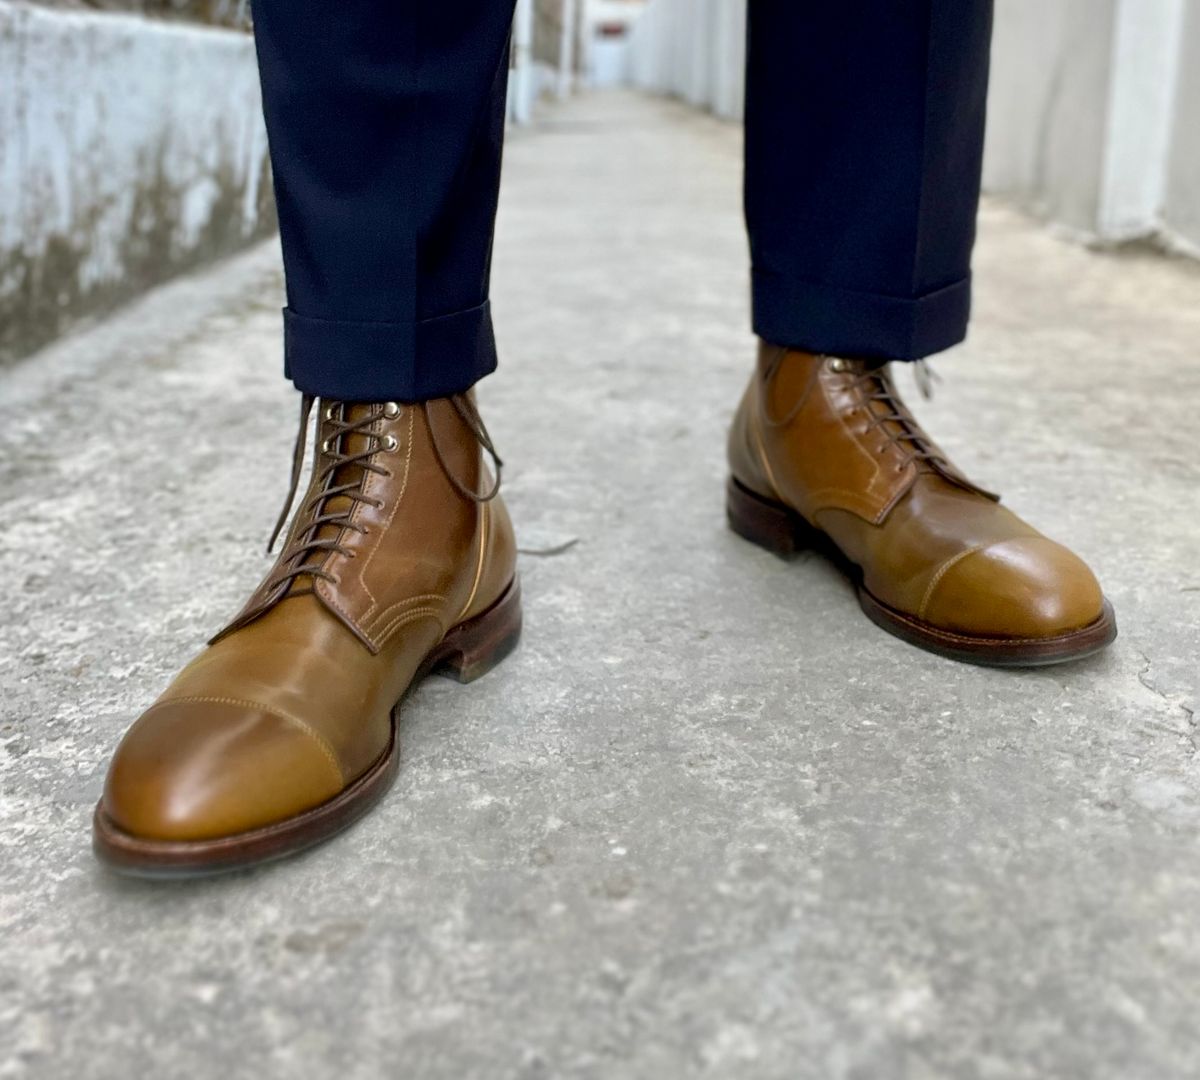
[
  {"x": 779, "y": 529},
  {"x": 466, "y": 653}
]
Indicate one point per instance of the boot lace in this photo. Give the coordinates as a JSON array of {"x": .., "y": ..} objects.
[
  {"x": 874, "y": 388},
  {"x": 308, "y": 549}
]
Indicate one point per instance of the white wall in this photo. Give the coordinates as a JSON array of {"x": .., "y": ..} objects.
[
  {"x": 694, "y": 49},
  {"x": 129, "y": 149},
  {"x": 1094, "y": 115},
  {"x": 1182, "y": 212},
  {"x": 1046, "y": 109}
]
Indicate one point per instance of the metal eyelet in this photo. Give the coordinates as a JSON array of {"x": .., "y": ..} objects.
[
  {"x": 391, "y": 410},
  {"x": 389, "y": 444},
  {"x": 329, "y": 412},
  {"x": 327, "y": 446},
  {"x": 837, "y": 364}
]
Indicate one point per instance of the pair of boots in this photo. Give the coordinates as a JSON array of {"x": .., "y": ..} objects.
[{"x": 401, "y": 561}]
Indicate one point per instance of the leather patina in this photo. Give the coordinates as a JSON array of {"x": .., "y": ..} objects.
[
  {"x": 828, "y": 443},
  {"x": 396, "y": 559}
]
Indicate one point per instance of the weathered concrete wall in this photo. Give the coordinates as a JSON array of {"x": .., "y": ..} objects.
[
  {"x": 129, "y": 151},
  {"x": 212, "y": 12}
]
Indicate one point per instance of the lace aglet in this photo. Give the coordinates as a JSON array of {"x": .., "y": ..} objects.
[{"x": 275, "y": 533}]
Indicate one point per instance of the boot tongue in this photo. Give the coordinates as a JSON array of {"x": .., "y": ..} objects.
[{"x": 350, "y": 445}]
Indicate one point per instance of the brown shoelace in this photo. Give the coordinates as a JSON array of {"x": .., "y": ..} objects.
[
  {"x": 297, "y": 559},
  {"x": 873, "y": 385}
]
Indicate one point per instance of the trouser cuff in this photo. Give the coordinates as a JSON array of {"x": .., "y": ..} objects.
[
  {"x": 354, "y": 361},
  {"x": 821, "y": 318}
]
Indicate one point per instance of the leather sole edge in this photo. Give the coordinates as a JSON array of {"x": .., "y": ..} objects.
[
  {"x": 139, "y": 857},
  {"x": 989, "y": 651}
]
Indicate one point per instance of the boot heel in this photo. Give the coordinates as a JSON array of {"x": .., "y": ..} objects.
[
  {"x": 477, "y": 646},
  {"x": 768, "y": 524}
]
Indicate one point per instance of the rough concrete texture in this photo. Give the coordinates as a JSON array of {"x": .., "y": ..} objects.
[
  {"x": 708, "y": 821},
  {"x": 130, "y": 150}
]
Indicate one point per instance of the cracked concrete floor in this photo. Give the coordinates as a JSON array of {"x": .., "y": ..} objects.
[{"x": 708, "y": 821}]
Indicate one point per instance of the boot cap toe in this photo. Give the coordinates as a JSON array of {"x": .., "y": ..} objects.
[
  {"x": 204, "y": 768},
  {"x": 1026, "y": 587}
]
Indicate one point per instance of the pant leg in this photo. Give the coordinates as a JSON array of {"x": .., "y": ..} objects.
[
  {"x": 385, "y": 120},
  {"x": 864, "y": 143}
]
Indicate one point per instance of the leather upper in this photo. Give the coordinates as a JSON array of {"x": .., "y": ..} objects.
[
  {"x": 293, "y": 700},
  {"x": 811, "y": 433}
]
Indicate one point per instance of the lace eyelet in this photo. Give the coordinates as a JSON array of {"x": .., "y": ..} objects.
[
  {"x": 837, "y": 364},
  {"x": 391, "y": 410},
  {"x": 389, "y": 444},
  {"x": 327, "y": 446},
  {"x": 329, "y": 412}
]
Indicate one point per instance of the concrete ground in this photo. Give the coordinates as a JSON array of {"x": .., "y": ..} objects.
[{"x": 708, "y": 821}]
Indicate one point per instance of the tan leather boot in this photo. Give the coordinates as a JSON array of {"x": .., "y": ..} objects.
[
  {"x": 822, "y": 449},
  {"x": 283, "y": 731}
]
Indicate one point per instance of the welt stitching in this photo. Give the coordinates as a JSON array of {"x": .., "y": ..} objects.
[{"x": 947, "y": 635}]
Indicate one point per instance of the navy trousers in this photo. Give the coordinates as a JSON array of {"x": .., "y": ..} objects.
[{"x": 864, "y": 135}]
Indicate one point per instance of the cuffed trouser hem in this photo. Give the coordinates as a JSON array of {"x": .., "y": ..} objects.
[
  {"x": 821, "y": 318},
  {"x": 353, "y": 361}
]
